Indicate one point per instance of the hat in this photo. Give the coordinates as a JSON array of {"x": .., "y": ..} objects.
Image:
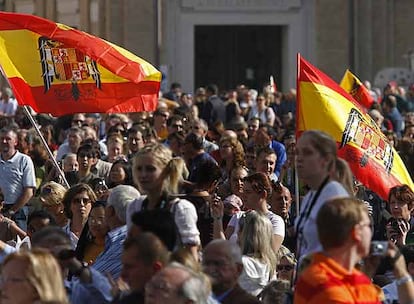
[{"x": 234, "y": 201}]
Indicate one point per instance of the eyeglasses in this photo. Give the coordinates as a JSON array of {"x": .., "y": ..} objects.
[
  {"x": 215, "y": 263},
  {"x": 78, "y": 121},
  {"x": 284, "y": 267},
  {"x": 83, "y": 201},
  {"x": 177, "y": 126},
  {"x": 88, "y": 155},
  {"x": 96, "y": 221}
]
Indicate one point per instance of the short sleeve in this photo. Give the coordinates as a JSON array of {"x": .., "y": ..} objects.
[
  {"x": 185, "y": 217},
  {"x": 277, "y": 223}
]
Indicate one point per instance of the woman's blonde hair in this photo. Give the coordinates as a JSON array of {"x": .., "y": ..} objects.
[
  {"x": 44, "y": 274},
  {"x": 52, "y": 193},
  {"x": 173, "y": 169},
  {"x": 343, "y": 174},
  {"x": 256, "y": 238}
]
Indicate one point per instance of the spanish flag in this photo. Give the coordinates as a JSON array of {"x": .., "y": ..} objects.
[
  {"x": 60, "y": 70},
  {"x": 351, "y": 84},
  {"x": 323, "y": 105}
]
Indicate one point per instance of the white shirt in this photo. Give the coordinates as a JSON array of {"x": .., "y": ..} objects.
[
  {"x": 277, "y": 223},
  {"x": 308, "y": 240},
  {"x": 255, "y": 275}
]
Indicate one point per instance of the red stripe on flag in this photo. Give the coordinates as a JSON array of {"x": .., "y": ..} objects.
[{"x": 114, "y": 97}]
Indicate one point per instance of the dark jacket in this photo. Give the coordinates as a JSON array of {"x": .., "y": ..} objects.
[{"x": 214, "y": 110}]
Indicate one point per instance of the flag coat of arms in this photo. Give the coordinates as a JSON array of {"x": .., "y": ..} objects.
[
  {"x": 324, "y": 105},
  {"x": 60, "y": 70}
]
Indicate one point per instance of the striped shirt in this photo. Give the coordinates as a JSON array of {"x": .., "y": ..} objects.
[
  {"x": 109, "y": 261},
  {"x": 325, "y": 281}
]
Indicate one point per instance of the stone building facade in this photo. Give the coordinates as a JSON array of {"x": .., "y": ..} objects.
[{"x": 233, "y": 41}]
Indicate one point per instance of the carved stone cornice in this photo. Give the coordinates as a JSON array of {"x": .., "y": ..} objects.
[{"x": 240, "y": 5}]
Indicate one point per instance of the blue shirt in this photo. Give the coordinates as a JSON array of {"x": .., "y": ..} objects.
[
  {"x": 16, "y": 174},
  {"x": 280, "y": 151},
  {"x": 109, "y": 261},
  {"x": 96, "y": 292},
  {"x": 196, "y": 162}
]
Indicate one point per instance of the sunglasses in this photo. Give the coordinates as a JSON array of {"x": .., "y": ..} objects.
[
  {"x": 284, "y": 267},
  {"x": 46, "y": 190},
  {"x": 83, "y": 201}
]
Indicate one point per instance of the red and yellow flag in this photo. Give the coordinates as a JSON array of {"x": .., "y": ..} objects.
[
  {"x": 351, "y": 84},
  {"x": 60, "y": 70},
  {"x": 324, "y": 105}
]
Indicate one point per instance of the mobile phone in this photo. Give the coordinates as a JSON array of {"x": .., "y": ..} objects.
[{"x": 378, "y": 248}]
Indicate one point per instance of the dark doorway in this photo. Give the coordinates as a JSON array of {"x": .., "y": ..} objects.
[{"x": 231, "y": 55}]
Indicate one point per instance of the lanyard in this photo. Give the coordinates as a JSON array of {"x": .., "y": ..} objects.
[{"x": 304, "y": 218}]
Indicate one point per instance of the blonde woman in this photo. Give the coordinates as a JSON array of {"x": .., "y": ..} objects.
[
  {"x": 157, "y": 175},
  {"x": 51, "y": 197},
  {"x": 32, "y": 277},
  {"x": 259, "y": 259}
]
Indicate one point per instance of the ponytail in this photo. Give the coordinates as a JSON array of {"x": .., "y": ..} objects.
[{"x": 174, "y": 173}]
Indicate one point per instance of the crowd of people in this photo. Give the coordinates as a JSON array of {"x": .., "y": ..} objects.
[{"x": 197, "y": 202}]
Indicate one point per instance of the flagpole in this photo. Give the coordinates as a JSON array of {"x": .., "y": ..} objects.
[
  {"x": 296, "y": 171},
  {"x": 52, "y": 157}
]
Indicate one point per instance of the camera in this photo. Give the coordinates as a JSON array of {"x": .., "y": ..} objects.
[
  {"x": 378, "y": 248},
  {"x": 395, "y": 224}
]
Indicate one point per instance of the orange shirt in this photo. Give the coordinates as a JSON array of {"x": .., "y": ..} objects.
[{"x": 325, "y": 281}]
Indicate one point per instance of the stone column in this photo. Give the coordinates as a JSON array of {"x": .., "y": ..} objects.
[{"x": 85, "y": 15}]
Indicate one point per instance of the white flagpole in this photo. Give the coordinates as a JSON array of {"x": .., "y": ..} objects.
[{"x": 52, "y": 157}]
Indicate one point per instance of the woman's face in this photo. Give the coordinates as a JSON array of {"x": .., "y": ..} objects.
[
  {"x": 236, "y": 181},
  {"x": 250, "y": 196},
  {"x": 285, "y": 269},
  {"x": 81, "y": 205},
  {"x": 310, "y": 163},
  {"x": 399, "y": 209},
  {"x": 148, "y": 173},
  {"x": 226, "y": 151},
  {"x": 54, "y": 209},
  {"x": 261, "y": 102},
  {"x": 117, "y": 174},
  {"x": 96, "y": 222},
  {"x": 16, "y": 288}
]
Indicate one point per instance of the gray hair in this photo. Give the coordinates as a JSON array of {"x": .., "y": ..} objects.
[
  {"x": 196, "y": 288},
  {"x": 202, "y": 123},
  {"x": 233, "y": 250},
  {"x": 120, "y": 197}
]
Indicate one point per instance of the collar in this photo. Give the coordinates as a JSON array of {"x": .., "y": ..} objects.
[
  {"x": 117, "y": 231},
  {"x": 10, "y": 159}
]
